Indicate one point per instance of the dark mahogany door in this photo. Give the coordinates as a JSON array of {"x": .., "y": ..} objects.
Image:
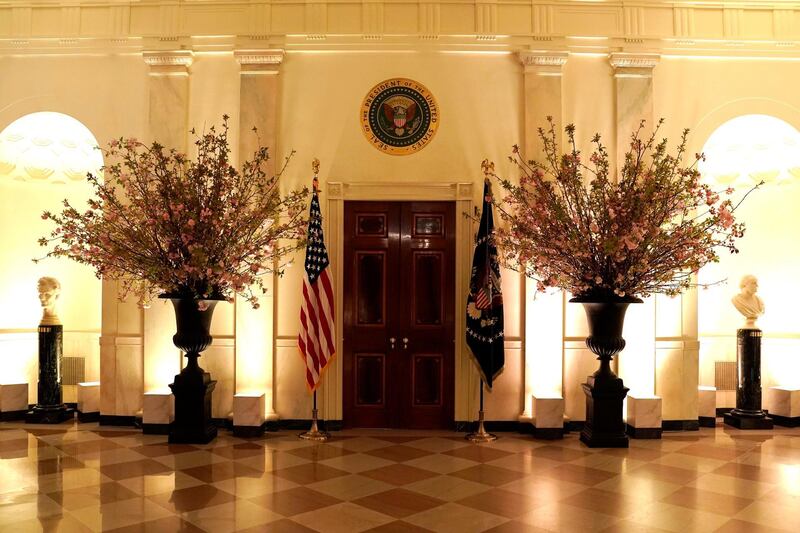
[{"x": 399, "y": 283}]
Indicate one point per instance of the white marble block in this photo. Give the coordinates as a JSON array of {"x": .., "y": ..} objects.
[
  {"x": 249, "y": 409},
  {"x": 783, "y": 404},
  {"x": 707, "y": 405},
  {"x": 13, "y": 397},
  {"x": 644, "y": 416},
  {"x": 89, "y": 397},
  {"x": 158, "y": 407},
  {"x": 548, "y": 417}
]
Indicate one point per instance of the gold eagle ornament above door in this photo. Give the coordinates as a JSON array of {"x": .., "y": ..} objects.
[{"x": 399, "y": 116}]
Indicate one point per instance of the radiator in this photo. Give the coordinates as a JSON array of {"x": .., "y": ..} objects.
[
  {"x": 73, "y": 370},
  {"x": 725, "y": 375}
]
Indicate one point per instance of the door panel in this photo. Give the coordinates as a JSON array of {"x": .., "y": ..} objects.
[{"x": 399, "y": 314}]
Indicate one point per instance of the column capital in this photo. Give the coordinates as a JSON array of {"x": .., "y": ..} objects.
[
  {"x": 168, "y": 62},
  {"x": 628, "y": 64},
  {"x": 268, "y": 61},
  {"x": 542, "y": 62}
]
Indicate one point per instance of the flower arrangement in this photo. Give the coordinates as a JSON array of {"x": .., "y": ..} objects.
[
  {"x": 163, "y": 224},
  {"x": 574, "y": 226}
]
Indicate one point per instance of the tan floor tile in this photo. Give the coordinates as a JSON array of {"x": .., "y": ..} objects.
[
  {"x": 109, "y": 457},
  {"x": 309, "y": 473},
  {"x": 248, "y": 487},
  {"x": 456, "y": 518},
  {"x": 742, "y": 526},
  {"x": 439, "y": 445},
  {"x": 441, "y": 464},
  {"x": 644, "y": 489},
  {"x": 604, "y": 501},
  {"x": 71, "y": 479},
  {"x": 360, "y": 444},
  {"x": 771, "y": 515},
  {"x": 319, "y": 452},
  {"x": 241, "y": 450},
  {"x": 488, "y": 475},
  {"x": 546, "y": 490},
  {"x": 189, "y": 459},
  {"x": 284, "y": 525},
  {"x": 231, "y": 516},
  {"x": 350, "y": 487},
  {"x": 221, "y": 471},
  {"x": 161, "y": 525},
  {"x": 356, "y": 462},
  {"x": 156, "y": 484},
  {"x": 192, "y": 498},
  {"x": 294, "y": 501},
  {"x": 447, "y": 487},
  {"x": 578, "y": 474},
  {"x": 708, "y": 501},
  {"x": 723, "y": 453},
  {"x": 61, "y": 523},
  {"x": 94, "y": 495},
  {"x": 119, "y": 514},
  {"x": 273, "y": 460},
  {"x": 141, "y": 467},
  {"x": 750, "y": 472},
  {"x": 27, "y": 507},
  {"x": 690, "y": 462},
  {"x": 514, "y": 526},
  {"x": 398, "y": 526},
  {"x": 478, "y": 453},
  {"x": 399, "y": 453},
  {"x": 676, "y": 518},
  {"x": 732, "y": 486},
  {"x": 626, "y": 526},
  {"x": 398, "y": 474},
  {"x": 567, "y": 518},
  {"x": 610, "y": 463},
  {"x": 522, "y": 444},
  {"x": 558, "y": 453},
  {"x": 398, "y": 502},
  {"x": 669, "y": 474},
  {"x": 502, "y": 502},
  {"x": 162, "y": 448},
  {"x": 342, "y": 518}
]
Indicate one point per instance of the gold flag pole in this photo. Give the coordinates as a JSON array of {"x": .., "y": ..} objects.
[
  {"x": 481, "y": 435},
  {"x": 314, "y": 433}
]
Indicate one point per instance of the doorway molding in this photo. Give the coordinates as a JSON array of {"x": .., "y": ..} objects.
[{"x": 465, "y": 377}]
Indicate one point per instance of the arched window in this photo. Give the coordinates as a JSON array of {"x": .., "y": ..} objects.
[{"x": 739, "y": 153}]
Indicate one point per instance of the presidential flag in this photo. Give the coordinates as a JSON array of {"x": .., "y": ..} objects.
[
  {"x": 317, "y": 334},
  {"x": 485, "y": 301}
]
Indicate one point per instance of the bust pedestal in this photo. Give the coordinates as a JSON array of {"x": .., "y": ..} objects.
[
  {"x": 50, "y": 408},
  {"x": 748, "y": 413}
]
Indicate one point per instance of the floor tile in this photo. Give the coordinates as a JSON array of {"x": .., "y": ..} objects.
[
  {"x": 399, "y": 503},
  {"x": 399, "y": 474},
  {"x": 343, "y": 518},
  {"x": 455, "y": 517},
  {"x": 294, "y": 501},
  {"x": 488, "y": 475}
]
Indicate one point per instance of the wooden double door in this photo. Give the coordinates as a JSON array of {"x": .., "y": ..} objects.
[{"x": 399, "y": 291}]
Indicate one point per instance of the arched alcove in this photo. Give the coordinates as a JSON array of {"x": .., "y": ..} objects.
[
  {"x": 740, "y": 153},
  {"x": 44, "y": 158}
]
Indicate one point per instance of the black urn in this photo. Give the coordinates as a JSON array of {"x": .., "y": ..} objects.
[
  {"x": 605, "y": 391},
  {"x": 193, "y": 387}
]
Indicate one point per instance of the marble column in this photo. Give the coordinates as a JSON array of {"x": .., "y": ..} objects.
[
  {"x": 255, "y": 338},
  {"x": 544, "y": 323},
  {"x": 168, "y": 83},
  {"x": 633, "y": 102}
]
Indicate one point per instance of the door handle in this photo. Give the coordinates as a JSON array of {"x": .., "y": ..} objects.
[
  {"x": 391, "y": 341},
  {"x": 405, "y": 343}
]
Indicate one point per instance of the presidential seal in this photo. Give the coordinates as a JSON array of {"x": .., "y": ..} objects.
[{"x": 399, "y": 116}]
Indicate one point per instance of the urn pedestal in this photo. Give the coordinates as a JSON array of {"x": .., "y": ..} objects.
[
  {"x": 193, "y": 387},
  {"x": 748, "y": 413},
  {"x": 604, "y": 390},
  {"x": 50, "y": 408}
]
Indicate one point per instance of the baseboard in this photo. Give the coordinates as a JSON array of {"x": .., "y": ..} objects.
[
  {"x": 680, "y": 425},
  {"x": 574, "y": 425},
  {"x": 9, "y": 416},
  {"x": 722, "y": 411},
  {"x": 707, "y": 421},
  {"x": 643, "y": 433},
  {"x": 249, "y": 432},
  {"x": 785, "y": 421},
  {"x": 156, "y": 429},
  {"x": 117, "y": 420},
  {"x": 462, "y": 426},
  {"x": 91, "y": 416},
  {"x": 303, "y": 424}
]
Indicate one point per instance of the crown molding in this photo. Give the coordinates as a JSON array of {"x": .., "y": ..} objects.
[
  {"x": 266, "y": 61},
  {"x": 623, "y": 60},
  {"x": 542, "y": 59},
  {"x": 168, "y": 62}
]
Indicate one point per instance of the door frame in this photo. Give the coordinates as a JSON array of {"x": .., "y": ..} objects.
[{"x": 335, "y": 194}]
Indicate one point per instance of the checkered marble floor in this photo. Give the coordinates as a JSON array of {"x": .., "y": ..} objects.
[{"x": 77, "y": 478}]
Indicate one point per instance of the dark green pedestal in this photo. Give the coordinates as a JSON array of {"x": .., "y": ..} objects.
[{"x": 50, "y": 408}]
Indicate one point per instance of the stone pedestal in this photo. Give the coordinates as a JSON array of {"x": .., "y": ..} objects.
[
  {"x": 748, "y": 413},
  {"x": 604, "y": 426},
  {"x": 158, "y": 412},
  {"x": 50, "y": 408},
  {"x": 548, "y": 417},
  {"x": 644, "y": 417},
  {"x": 707, "y": 406},
  {"x": 192, "y": 389},
  {"x": 784, "y": 406},
  {"x": 89, "y": 401},
  {"x": 249, "y": 414},
  {"x": 13, "y": 401}
]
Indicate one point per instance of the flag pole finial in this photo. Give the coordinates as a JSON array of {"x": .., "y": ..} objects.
[
  {"x": 488, "y": 169},
  {"x": 315, "y": 170}
]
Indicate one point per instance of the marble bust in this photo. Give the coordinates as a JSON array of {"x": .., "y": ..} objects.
[
  {"x": 49, "y": 291},
  {"x": 747, "y": 302}
]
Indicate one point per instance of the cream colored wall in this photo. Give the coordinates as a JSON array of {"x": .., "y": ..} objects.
[{"x": 321, "y": 84}]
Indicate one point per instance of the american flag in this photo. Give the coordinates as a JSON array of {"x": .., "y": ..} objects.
[{"x": 317, "y": 334}]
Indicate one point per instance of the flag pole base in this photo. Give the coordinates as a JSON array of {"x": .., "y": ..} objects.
[
  {"x": 314, "y": 433},
  {"x": 481, "y": 435}
]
